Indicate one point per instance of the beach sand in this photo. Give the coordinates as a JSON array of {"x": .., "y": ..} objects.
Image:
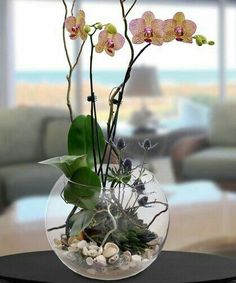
[{"x": 164, "y": 106}]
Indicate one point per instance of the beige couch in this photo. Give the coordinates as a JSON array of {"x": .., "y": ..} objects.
[
  {"x": 211, "y": 156},
  {"x": 29, "y": 135}
]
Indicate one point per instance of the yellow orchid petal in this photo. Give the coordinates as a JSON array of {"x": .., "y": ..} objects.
[
  {"x": 168, "y": 29},
  {"x": 179, "y": 17},
  {"x": 168, "y": 37},
  {"x": 148, "y": 17},
  {"x": 99, "y": 48},
  {"x": 83, "y": 34},
  {"x": 80, "y": 16},
  {"x": 138, "y": 39},
  {"x": 157, "y": 26},
  {"x": 187, "y": 39},
  {"x": 189, "y": 27},
  {"x": 169, "y": 26},
  {"x": 157, "y": 40}
]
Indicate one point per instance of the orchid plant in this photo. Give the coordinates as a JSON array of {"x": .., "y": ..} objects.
[{"x": 90, "y": 151}]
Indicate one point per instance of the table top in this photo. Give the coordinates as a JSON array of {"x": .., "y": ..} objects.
[{"x": 170, "y": 267}]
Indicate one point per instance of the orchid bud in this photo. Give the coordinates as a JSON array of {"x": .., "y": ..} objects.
[
  {"x": 211, "y": 42},
  {"x": 99, "y": 26},
  {"x": 111, "y": 29},
  {"x": 200, "y": 39},
  {"x": 87, "y": 28}
]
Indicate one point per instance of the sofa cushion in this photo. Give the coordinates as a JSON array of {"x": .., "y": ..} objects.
[
  {"x": 218, "y": 163},
  {"x": 222, "y": 124},
  {"x": 55, "y": 137},
  {"x": 17, "y": 181},
  {"x": 21, "y": 133}
]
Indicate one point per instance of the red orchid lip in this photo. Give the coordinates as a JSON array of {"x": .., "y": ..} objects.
[{"x": 73, "y": 36}]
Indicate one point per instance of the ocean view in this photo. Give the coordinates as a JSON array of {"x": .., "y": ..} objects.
[{"x": 111, "y": 78}]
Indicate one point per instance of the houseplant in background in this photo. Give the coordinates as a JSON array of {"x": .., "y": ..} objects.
[{"x": 107, "y": 219}]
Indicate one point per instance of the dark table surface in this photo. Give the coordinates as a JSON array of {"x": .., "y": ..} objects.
[{"x": 170, "y": 267}]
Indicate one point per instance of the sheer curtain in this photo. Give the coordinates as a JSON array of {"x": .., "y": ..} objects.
[{"x": 7, "y": 88}]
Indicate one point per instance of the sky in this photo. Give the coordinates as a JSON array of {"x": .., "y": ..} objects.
[{"x": 38, "y": 36}]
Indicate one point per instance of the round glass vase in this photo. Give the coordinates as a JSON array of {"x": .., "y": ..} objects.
[{"x": 126, "y": 231}]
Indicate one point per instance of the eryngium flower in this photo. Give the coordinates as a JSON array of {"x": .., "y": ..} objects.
[{"x": 143, "y": 201}]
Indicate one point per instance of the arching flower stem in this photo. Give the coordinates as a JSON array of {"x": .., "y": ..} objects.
[
  {"x": 72, "y": 7},
  {"x": 113, "y": 126},
  {"x": 131, "y": 7},
  {"x": 93, "y": 106}
]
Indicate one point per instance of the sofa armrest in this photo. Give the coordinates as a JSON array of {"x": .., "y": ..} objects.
[{"x": 183, "y": 148}]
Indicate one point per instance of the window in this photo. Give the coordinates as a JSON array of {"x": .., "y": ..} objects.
[
  {"x": 230, "y": 52},
  {"x": 40, "y": 59},
  {"x": 184, "y": 71}
]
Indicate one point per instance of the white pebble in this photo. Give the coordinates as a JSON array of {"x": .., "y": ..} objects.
[
  {"x": 145, "y": 260},
  {"x": 93, "y": 247},
  {"x": 92, "y": 253},
  {"x": 82, "y": 244},
  {"x": 136, "y": 258},
  {"x": 113, "y": 259},
  {"x": 126, "y": 256},
  {"x": 110, "y": 249},
  {"x": 89, "y": 261},
  {"x": 101, "y": 260},
  {"x": 149, "y": 253},
  {"x": 85, "y": 251},
  {"x": 132, "y": 264}
]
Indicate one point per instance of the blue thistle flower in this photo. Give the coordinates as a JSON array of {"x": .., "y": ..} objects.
[
  {"x": 120, "y": 144},
  {"x": 143, "y": 201},
  {"x": 127, "y": 165},
  {"x": 140, "y": 188}
]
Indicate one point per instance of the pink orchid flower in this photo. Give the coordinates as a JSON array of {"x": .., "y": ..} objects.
[
  {"x": 178, "y": 28},
  {"x": 75, "y": 26},
  {"x": 109, "y": 42},
  {"x": 147, "y": 29}
]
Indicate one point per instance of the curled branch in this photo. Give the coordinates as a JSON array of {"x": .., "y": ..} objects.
[
  {"x": 71, "y": 67},
  {"x": 114, "y": 225},
  {"x": 158, "y": 214}
]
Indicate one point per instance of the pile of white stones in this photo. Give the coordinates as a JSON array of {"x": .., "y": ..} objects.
[{"x": 108, "y": 257}]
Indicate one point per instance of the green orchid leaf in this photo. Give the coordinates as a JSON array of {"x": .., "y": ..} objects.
[
  {"x": 68, "y": 164},
  {"x": 80, "y": 221},
  {"x": 80, "y": 138},
  {"x": 83, "y": 189}
]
